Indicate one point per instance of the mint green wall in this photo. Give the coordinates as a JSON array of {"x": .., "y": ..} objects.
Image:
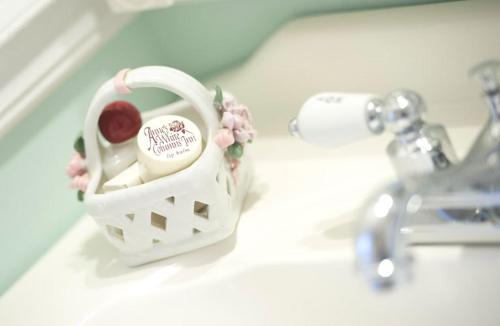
[{"x": 203, "y": 38}]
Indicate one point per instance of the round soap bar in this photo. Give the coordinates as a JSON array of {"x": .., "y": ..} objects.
[
  {"x": 167, "y": 144},
  {"x": 119, "y": 121}
]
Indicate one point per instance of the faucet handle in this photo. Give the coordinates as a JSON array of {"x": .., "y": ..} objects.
[
  {"x": 486, "y": 73},
  {"x": 334, "y": 119}
]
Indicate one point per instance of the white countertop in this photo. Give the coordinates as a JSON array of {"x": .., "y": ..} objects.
[{"x": 300, "y": 208}]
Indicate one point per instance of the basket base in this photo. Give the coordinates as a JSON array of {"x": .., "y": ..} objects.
[{"x": 202, "y": 240}]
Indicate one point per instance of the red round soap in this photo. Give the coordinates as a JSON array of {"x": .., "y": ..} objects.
[{"x": 120, "y": 121}]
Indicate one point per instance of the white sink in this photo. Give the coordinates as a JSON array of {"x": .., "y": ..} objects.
[
  {"x": 323, "y": 291},
  {"x": 290, "y": 263}
]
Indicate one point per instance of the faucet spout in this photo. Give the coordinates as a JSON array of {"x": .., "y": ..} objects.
[{"x": 382, "y": 256}]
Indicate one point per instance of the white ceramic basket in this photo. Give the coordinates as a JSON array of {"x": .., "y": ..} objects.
[{"x": 181, "y": 212}]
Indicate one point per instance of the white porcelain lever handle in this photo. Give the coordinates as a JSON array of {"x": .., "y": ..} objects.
[{"x": 335, "y": 119}]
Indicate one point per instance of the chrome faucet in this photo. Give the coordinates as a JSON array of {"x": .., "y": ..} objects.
[{"x": 437, "y": 198}]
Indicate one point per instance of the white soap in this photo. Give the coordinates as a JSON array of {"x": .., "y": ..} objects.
[
  {"x": 117, "y": 157},
  {"x": 127, "y": 178},
  {"x": 167, "y": 144}
]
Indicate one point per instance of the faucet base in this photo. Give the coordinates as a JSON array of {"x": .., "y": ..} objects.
[{"x": 431, "y": 228}]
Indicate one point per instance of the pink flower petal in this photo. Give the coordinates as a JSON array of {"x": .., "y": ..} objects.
[
  {"x": 240, "y": 110},
  {"x": 228, "y": 120},
  {"x": 241, "y": 136},
  {"x": 80, "y": 182},
  {"x": 238, "y": 122},
  {"x": 228, "y": 103},
  {"x": 76, "y": 166},
  {"x": 224, "y": 138}
]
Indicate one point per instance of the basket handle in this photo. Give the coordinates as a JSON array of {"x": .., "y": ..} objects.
[{"x": 170, "y": 79}]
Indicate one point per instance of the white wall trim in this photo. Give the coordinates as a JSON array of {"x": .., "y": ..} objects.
[{"x": 39, "y": 48}]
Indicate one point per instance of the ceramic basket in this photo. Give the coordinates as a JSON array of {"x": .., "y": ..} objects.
[{"x": 192, "y": 208}]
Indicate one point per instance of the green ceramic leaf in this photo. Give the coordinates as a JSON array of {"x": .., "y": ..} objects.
[
  {"x": 80, "y": 195},
  {"x": 235, "y": 150},
  {"x": 79, "y": 145},
  {"x": 218, "y": 97}
]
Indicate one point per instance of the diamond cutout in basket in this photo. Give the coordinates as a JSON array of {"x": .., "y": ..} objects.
[
  {"x": 201, "y": 209},
  {"x": 158, "y": 221},
  {"x": 115, "y": 232}
]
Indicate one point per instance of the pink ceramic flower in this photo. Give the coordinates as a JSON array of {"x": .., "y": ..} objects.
[
  {"x": 76, "y": 166},
  {"x": 227, "y": 120},
  {"x": 80, "y": 182},
  {"x": 226, "y": 103},
  {"x": 224, "y": 138},
  {"x": 241, "y": 136},
  {"x": 236, "y": 130},
  {"x": 238, "y": 121},
  {"x": 241, "y": 110}
]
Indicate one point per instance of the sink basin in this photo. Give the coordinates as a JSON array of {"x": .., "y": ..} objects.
[
  {"x": 323, "y": 291},
  {"x": 291, "y": 261}
]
